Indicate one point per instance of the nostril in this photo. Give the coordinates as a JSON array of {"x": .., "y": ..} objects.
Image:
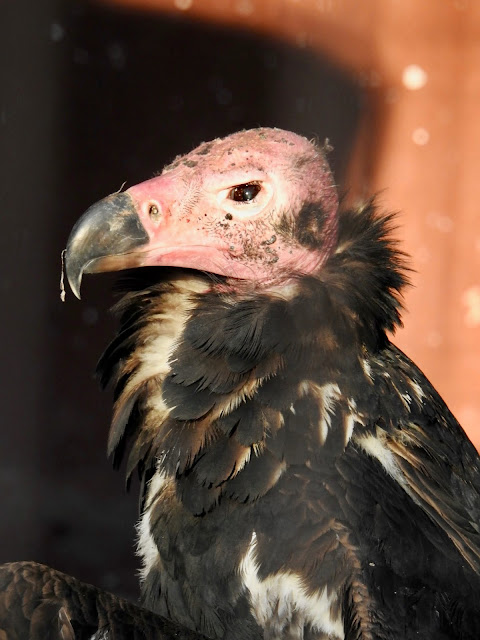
[{"x": 154, "y": 211}]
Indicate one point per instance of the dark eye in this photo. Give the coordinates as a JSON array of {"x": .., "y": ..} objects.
[{"x": 245, "y": 192}]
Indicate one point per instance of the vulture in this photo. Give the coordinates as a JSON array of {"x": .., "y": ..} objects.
[{"x": 301, "y": 478}]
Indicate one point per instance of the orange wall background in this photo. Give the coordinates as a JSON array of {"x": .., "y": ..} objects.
[{"x": 418, "y": 145}]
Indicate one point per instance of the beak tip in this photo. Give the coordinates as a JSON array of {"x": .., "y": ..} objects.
[
  {"x": 76, "y": 292},
  {"x": 74, "y": 277},
  {"x": 103, "y": 239},
  {"x": 73, "y": 271}
]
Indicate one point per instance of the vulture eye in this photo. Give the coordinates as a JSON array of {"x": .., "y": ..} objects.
[
  {"x": 246, "y": 200},
  {"x": 245, "y": 192}
]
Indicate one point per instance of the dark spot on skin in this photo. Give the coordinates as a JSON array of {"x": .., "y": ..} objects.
[
  {"x": 190, "y": 163},
  {"x": 310, "y": 224},
  {"x": 205, "y": 149},
  {"x": 285, "y": 226},
  {"x": 270, "y": 240},
  {"x": 174, "y": 164},
  {"x": 306, "y": 229},
  {"x": 228, "y": 216},
  {"x": 301, "y": 161},
  {"x": 250, "y": 250}
]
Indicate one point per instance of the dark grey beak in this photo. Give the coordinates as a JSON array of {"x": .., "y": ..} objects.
[{"x": 104, "y": 239}]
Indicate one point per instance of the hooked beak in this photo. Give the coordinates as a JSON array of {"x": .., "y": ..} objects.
[{"x": 105, "y": 238}]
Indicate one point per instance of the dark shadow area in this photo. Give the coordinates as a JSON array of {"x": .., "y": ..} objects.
[{"x": 92, "y": 97}]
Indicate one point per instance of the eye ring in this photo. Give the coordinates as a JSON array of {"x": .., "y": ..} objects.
[{"x": 245, "y": 193}]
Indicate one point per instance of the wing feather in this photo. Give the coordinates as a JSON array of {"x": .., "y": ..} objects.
[{"x": 435, "y": 463}]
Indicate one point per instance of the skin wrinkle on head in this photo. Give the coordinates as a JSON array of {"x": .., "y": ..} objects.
[{"x": 192, "y": 197}]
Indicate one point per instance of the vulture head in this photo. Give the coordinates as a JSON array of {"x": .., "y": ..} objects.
[{"x": 258, "y": 205}]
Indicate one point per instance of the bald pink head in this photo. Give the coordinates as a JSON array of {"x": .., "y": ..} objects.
[
  {"x": 231, "y": 206},
  {"x": 258, "y": 205}
]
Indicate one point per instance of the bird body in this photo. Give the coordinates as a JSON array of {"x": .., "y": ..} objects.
[
  {"x": 301, "y": 480},
  {"x": 301, "y": 477}
]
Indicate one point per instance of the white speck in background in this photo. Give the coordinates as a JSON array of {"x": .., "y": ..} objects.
[
  {"x": 116, "y": 54},
  {"x": 244, "y": 7},
  {"x": 57, "y": 32},
  {"x": 420, "y": 136},
  {"x": 440, "y": 221},
  {"x": 414, "y": 77},
  {"x": 183, "y": 5},
  {"x": 434, "y": 339},
  {"x": 471, "y": 299}
]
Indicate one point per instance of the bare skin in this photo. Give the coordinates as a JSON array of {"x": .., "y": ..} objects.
[{"x": 238, "y": 238}]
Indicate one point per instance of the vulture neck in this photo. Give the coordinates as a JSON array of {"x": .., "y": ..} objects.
[{"x": 223, "y": 390}]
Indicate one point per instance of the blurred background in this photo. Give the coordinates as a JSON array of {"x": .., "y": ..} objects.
[{"x": 93, "y": 94}]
